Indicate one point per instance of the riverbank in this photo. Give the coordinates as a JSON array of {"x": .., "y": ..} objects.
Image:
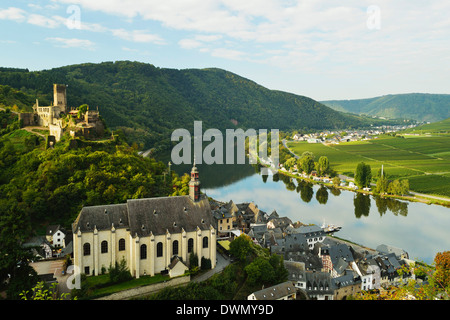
[{"x": 412, "y": 196}]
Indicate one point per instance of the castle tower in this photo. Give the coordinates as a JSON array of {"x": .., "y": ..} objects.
[
  {"x": 194, "y": 184},
  {"x": 59, "y": 97}
]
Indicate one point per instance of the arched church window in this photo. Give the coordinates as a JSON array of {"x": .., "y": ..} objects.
[
  {"x": 175, "y": 247},
  {"x": 143, "y": 251},
  {"x": 190, "y": 245},
  {"x": 159, "y": 249},
  {"x": 86, "y": 249},
  {"x": 122, "y": 244},
  {"x": 104, "y": 246}
]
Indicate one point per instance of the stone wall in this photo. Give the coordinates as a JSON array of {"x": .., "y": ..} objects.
[{"x": 147, "y": 290}]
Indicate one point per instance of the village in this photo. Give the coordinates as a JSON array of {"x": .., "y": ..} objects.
[
  {"x": 320, "y": 266},
  {"x": 338, "y": 136}
]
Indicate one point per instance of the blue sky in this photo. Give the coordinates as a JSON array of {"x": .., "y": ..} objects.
[{"x": 321, "y": 49}]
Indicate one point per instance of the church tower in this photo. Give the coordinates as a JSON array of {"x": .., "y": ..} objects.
[{"x": 194, "y": 185}]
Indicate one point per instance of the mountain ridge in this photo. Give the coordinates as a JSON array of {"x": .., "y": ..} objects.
[
  {"x": 149, "y": 102},
  {"x": 415, "y": 106}
]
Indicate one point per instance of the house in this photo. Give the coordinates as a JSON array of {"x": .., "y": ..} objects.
[
  {"x": 282, "y": 291},
  {"x": 147, "y": 233},
  {"x": 40, "y": 247},
  {"x": 177, "y": 267},
  {"x": 336, "y": 258},
  {"x": 296, "y": 274},
  {"x": 386, "y": 249},
  {"x": 370, "y": 274},
  {"x": 313, "y": 234},
  {"x": 389, "y": 265},
  {"x": 223, "y": 221},
  {"x": 319, "y": 285},
  {"x": 346, "y": 285},
  {"x": 56, "y": 235},
  {"x": 281, "y": 223}
]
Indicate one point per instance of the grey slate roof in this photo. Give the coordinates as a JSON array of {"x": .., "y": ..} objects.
[
  {"x": 146, "y": 216},
  {"x": 348, "y": 279},
  {"x": 102, "y": 217},
  {"x": 276, "y": 292},
  {"x": 319, "y": 283}
]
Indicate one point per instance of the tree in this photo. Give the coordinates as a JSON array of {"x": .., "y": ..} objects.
[
  {"x": 82, "y": 110},
  {"x": 442, "y": 274},
  {"x": 323, "y": 165},
  {"x": 336, "y": 181},
  {"x": 260, "y": 270},
  {"x": 120, "y": 272},
  {"x": 290, "y": 163},
  {"x": 363, "y": 175},
  {"x": 382, "y": 185},
  {"x": 241, "y": 247},
  {"x": 306, "y": 163}
]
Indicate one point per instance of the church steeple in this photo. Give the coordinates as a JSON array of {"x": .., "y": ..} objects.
[{"x": 194, "y": 184}]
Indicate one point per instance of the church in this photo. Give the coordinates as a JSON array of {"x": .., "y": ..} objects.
[{"x": 153, "y": 235}]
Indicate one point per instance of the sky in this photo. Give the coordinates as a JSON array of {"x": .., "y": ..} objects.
[{"x": 325, "y": 50}]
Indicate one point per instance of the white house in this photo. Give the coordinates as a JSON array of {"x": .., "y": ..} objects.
[{"x": 56, "y": 236}]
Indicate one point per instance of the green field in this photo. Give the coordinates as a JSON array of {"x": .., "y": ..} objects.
[{"x": 424, "y": 160}]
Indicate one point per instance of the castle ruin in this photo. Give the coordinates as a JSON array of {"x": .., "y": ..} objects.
[{"x": 58, "y": 119}]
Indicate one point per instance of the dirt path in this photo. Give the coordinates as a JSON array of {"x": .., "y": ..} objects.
[{"x": 30, "y": 129}]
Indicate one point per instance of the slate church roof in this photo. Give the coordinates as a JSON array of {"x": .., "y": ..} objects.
[{"x": 148, "y": 216}]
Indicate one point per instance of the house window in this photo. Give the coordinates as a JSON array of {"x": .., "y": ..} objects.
[
  {"x": 159, "y": 249},
  {"x": 86, "y": 270},
  {"x": 104, "y": 247},
  {"x": 122, "y": 244},
  {"x": 175, "y": 247},
  {"x": 86, "y": 249},
  {"x": 205, "y": 242},
  {"x": 190, "y": 245},
  {"x": 143, "y": 252}
]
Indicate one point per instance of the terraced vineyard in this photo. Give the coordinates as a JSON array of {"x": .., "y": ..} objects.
[{"x": 424, "y": 160}]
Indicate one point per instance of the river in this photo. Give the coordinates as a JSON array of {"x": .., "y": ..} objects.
[{"x": 420, "y": 229}]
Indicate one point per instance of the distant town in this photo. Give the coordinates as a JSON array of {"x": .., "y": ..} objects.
[{"x": 337, "y": 136}]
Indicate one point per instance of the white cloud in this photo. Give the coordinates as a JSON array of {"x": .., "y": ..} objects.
[
  {"x": 189, "y": 44},
  {"x": 310, "y": 37},
  {"x": 228, "y": 54},
  {"x": 72, "y": 43},
  {"x": 42, "y": 21},
  {"x": 14, "y": 14},
  {"x": 137, "y": 36}
]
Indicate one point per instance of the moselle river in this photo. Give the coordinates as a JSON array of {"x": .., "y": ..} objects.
[{"x": 422, "y": 230}]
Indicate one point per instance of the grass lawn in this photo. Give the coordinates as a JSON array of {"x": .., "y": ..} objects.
[
  {"x": 425, "y": 161},
  {"x": 101, "y": 288}
]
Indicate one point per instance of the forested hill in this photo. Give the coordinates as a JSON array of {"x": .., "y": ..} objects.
[
  {"x": 148, "y": 102},
  {"x": 415, "y": 106}
]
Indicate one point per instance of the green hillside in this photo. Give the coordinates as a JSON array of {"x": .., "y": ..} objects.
[
  {"x": 415, "y": 106},
  {"x": 16, "y": 99},
  {"x": 148, "y": 102},
  {"x": 434, "y": 127}
]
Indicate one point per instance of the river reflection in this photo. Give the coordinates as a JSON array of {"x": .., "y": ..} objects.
[{"x": 422, "y": 230}]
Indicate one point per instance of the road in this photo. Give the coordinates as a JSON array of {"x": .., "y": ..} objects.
[
  {"x": 222, "y": 262},
  {"x": 54, "y": 266}
]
